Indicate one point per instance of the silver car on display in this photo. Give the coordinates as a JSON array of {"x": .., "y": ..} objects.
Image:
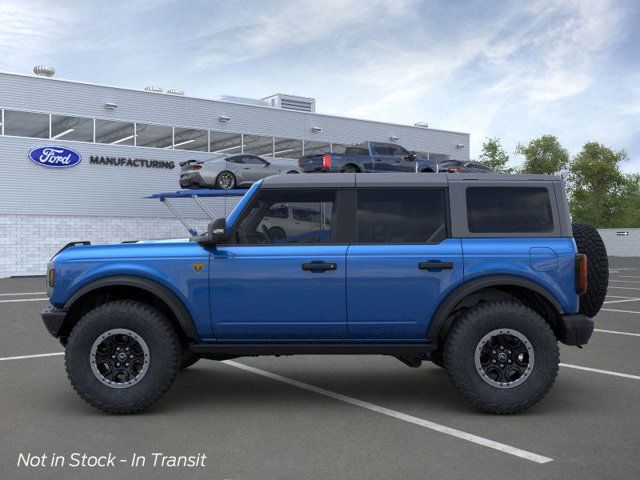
[{"x": 231, "y": 171}]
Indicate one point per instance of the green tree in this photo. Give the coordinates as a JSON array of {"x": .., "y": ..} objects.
[
  {"x": 600, "y": 192},
  {"x": 631, "y": 215},
  {"x": 494, "y": 156},
  {"x": 543, "y": 155}
]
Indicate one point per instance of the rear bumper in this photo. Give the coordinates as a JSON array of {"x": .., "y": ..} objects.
[
  {"x": 575, "y": 329},
  {"x": 53, "y": 319},
  {"x": 188, "y": 180}
]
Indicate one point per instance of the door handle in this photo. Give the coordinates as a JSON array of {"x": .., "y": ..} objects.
[
  {"x": 319, "y": 266},
  {"x": 435, "y": 265}
]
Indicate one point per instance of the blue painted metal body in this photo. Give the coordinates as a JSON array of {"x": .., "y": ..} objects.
[{"x": 261, "y": 292}]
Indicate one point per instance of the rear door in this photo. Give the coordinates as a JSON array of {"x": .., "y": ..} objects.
[
  {"x": 402, "y": 263},
  {"x": 280, "y": 280}
]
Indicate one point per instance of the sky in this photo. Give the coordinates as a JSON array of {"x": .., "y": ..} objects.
[{"x": 513, "y": 70}]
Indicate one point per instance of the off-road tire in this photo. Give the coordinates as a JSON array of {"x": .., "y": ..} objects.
[
  {"x": 164, "y": 356},
  {"x": 464, "y": 337},
  {"x": 590, "y": 243}
]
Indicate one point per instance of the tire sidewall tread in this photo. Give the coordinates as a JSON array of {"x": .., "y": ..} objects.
[{"x": 164, "y": 348}]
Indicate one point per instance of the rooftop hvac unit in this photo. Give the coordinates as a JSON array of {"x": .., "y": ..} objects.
[
  {"x": 44, "y": 71},
  {"x": 175, "y": 91},
  {"x": 153, "y": 88},
  {"x": 291, "y": 102}
]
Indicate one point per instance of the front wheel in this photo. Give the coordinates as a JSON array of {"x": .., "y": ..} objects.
[
  {"x": 502, "y": 357},
  {"x": 122, "y": 356}
]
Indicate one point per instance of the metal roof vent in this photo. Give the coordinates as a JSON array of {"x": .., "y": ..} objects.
[
  {"x": 44, "y": 71},
  {"x": 175, "y": 91},
  {"x": 422, "y": 124},
  {"x": 153, "y": 88},
  {"x": 292, "y": 102}
]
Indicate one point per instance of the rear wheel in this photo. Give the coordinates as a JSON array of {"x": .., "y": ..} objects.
[
  {"x": 293, "y": 172},
  {"x": 502, "y": 357},
  {"x": 225, "y": 180},
  {"x": 350, "y": 169},
  {"x": 589, "y": 242},
  {"x": 122, "y": 356}
]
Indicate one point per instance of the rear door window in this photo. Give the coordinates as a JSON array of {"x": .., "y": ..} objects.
[
  {"x": 509, "y": 210},
  {"x": 413, "y": 216}
]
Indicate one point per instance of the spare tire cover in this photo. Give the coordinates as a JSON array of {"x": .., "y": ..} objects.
[{"x": 589, "y": 242}]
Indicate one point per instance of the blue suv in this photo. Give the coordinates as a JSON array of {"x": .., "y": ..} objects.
[{"x": 481, "y": 274}]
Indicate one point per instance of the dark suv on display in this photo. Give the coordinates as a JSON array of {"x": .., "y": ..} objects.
[{"x": 481, "y": 274}]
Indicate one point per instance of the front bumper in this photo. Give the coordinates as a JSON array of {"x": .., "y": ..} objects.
[
  {"x": 53, "y": 319},
  {"x": 575, "y": 329}
]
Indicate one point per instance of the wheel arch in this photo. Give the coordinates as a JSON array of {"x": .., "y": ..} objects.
[
  {"x": 128, "y": 286},
  {"x": 353, "y": 165},
  {"x": 527, "y": 291}
]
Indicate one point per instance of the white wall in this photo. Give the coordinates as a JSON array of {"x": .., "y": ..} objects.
[
  {"x": 621, "y": 245},
  {"x": 27, "y": 242}
]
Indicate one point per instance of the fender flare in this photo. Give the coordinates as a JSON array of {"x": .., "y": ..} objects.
[
  {"x": 440, "y": 321},
  {"x": 167, "y": 296}
]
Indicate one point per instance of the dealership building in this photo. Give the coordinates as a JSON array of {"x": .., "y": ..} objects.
[{"x": 129, "y": 144}]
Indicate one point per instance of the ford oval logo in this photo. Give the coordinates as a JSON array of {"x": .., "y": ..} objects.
[{"x": 55, "y": 157}]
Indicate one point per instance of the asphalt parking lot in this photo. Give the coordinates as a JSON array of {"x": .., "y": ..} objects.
[{"x": 333, "y": 417}]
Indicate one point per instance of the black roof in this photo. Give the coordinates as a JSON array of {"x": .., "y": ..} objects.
[{"x": 329, "y": 180}]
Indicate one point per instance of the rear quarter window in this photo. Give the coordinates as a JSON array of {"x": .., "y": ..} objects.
[{"x": 509, "y": 210}]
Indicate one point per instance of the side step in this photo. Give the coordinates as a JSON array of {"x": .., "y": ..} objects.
[{"x": 255, "y": 349}]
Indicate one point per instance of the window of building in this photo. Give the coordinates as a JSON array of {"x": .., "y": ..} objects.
[
  {"x": 26, "y": 124},
  {"x": 114, "y": 133},
  {"x": 72, "y": 128},
  {"x": 158, "y": 136},
  {"x": 191, "y": 139},
  {"x": 268, "y": 220},
  {"x": 287, "y": 148},
  {"x": 224, "y": 142},
  {"x": 509, "y": 210},
  {"x": 401, "y": 216},
  {"x": 257, "y": 145},
  {"x": 316, "y": 148}
]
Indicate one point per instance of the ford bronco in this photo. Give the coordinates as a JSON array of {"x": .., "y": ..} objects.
[{"x": 481, "y": 274}]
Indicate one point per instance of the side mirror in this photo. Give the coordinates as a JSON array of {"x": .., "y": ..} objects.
[{"x": 216, "y": 233}]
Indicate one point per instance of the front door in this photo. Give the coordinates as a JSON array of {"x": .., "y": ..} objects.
[
  {"x": 402, "y": 264},
  {"x": 282, "y": 278}
]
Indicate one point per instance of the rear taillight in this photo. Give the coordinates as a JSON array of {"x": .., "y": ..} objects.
[
  {"x": 581, "y": 273},
  {"x": 326, "y": 160},
  {"x": 299, "y": 160},
  {"x": 454, "y": 170}
]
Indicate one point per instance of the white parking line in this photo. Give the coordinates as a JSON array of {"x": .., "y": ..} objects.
[
  {"x": 617, "y": 296},
  {"x": 619, "y": 311},
  {"x": 22, "y": 293},
  {"x": 628, "y": 276},
  {"x": 623, "y": 288},
  {"x": 597, "y": 370},
  {"x": 617, "y": 332},
  {"x": 625, "y": 281},
  {"x": 398, "y": 415},
  {"x": 622, "y": 301},
  {"x": 39, "y": 355},
  {"x": 16, "y": 300}
]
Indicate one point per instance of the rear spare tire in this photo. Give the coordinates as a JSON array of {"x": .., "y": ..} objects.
[{"x": 589, "y": 242}]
